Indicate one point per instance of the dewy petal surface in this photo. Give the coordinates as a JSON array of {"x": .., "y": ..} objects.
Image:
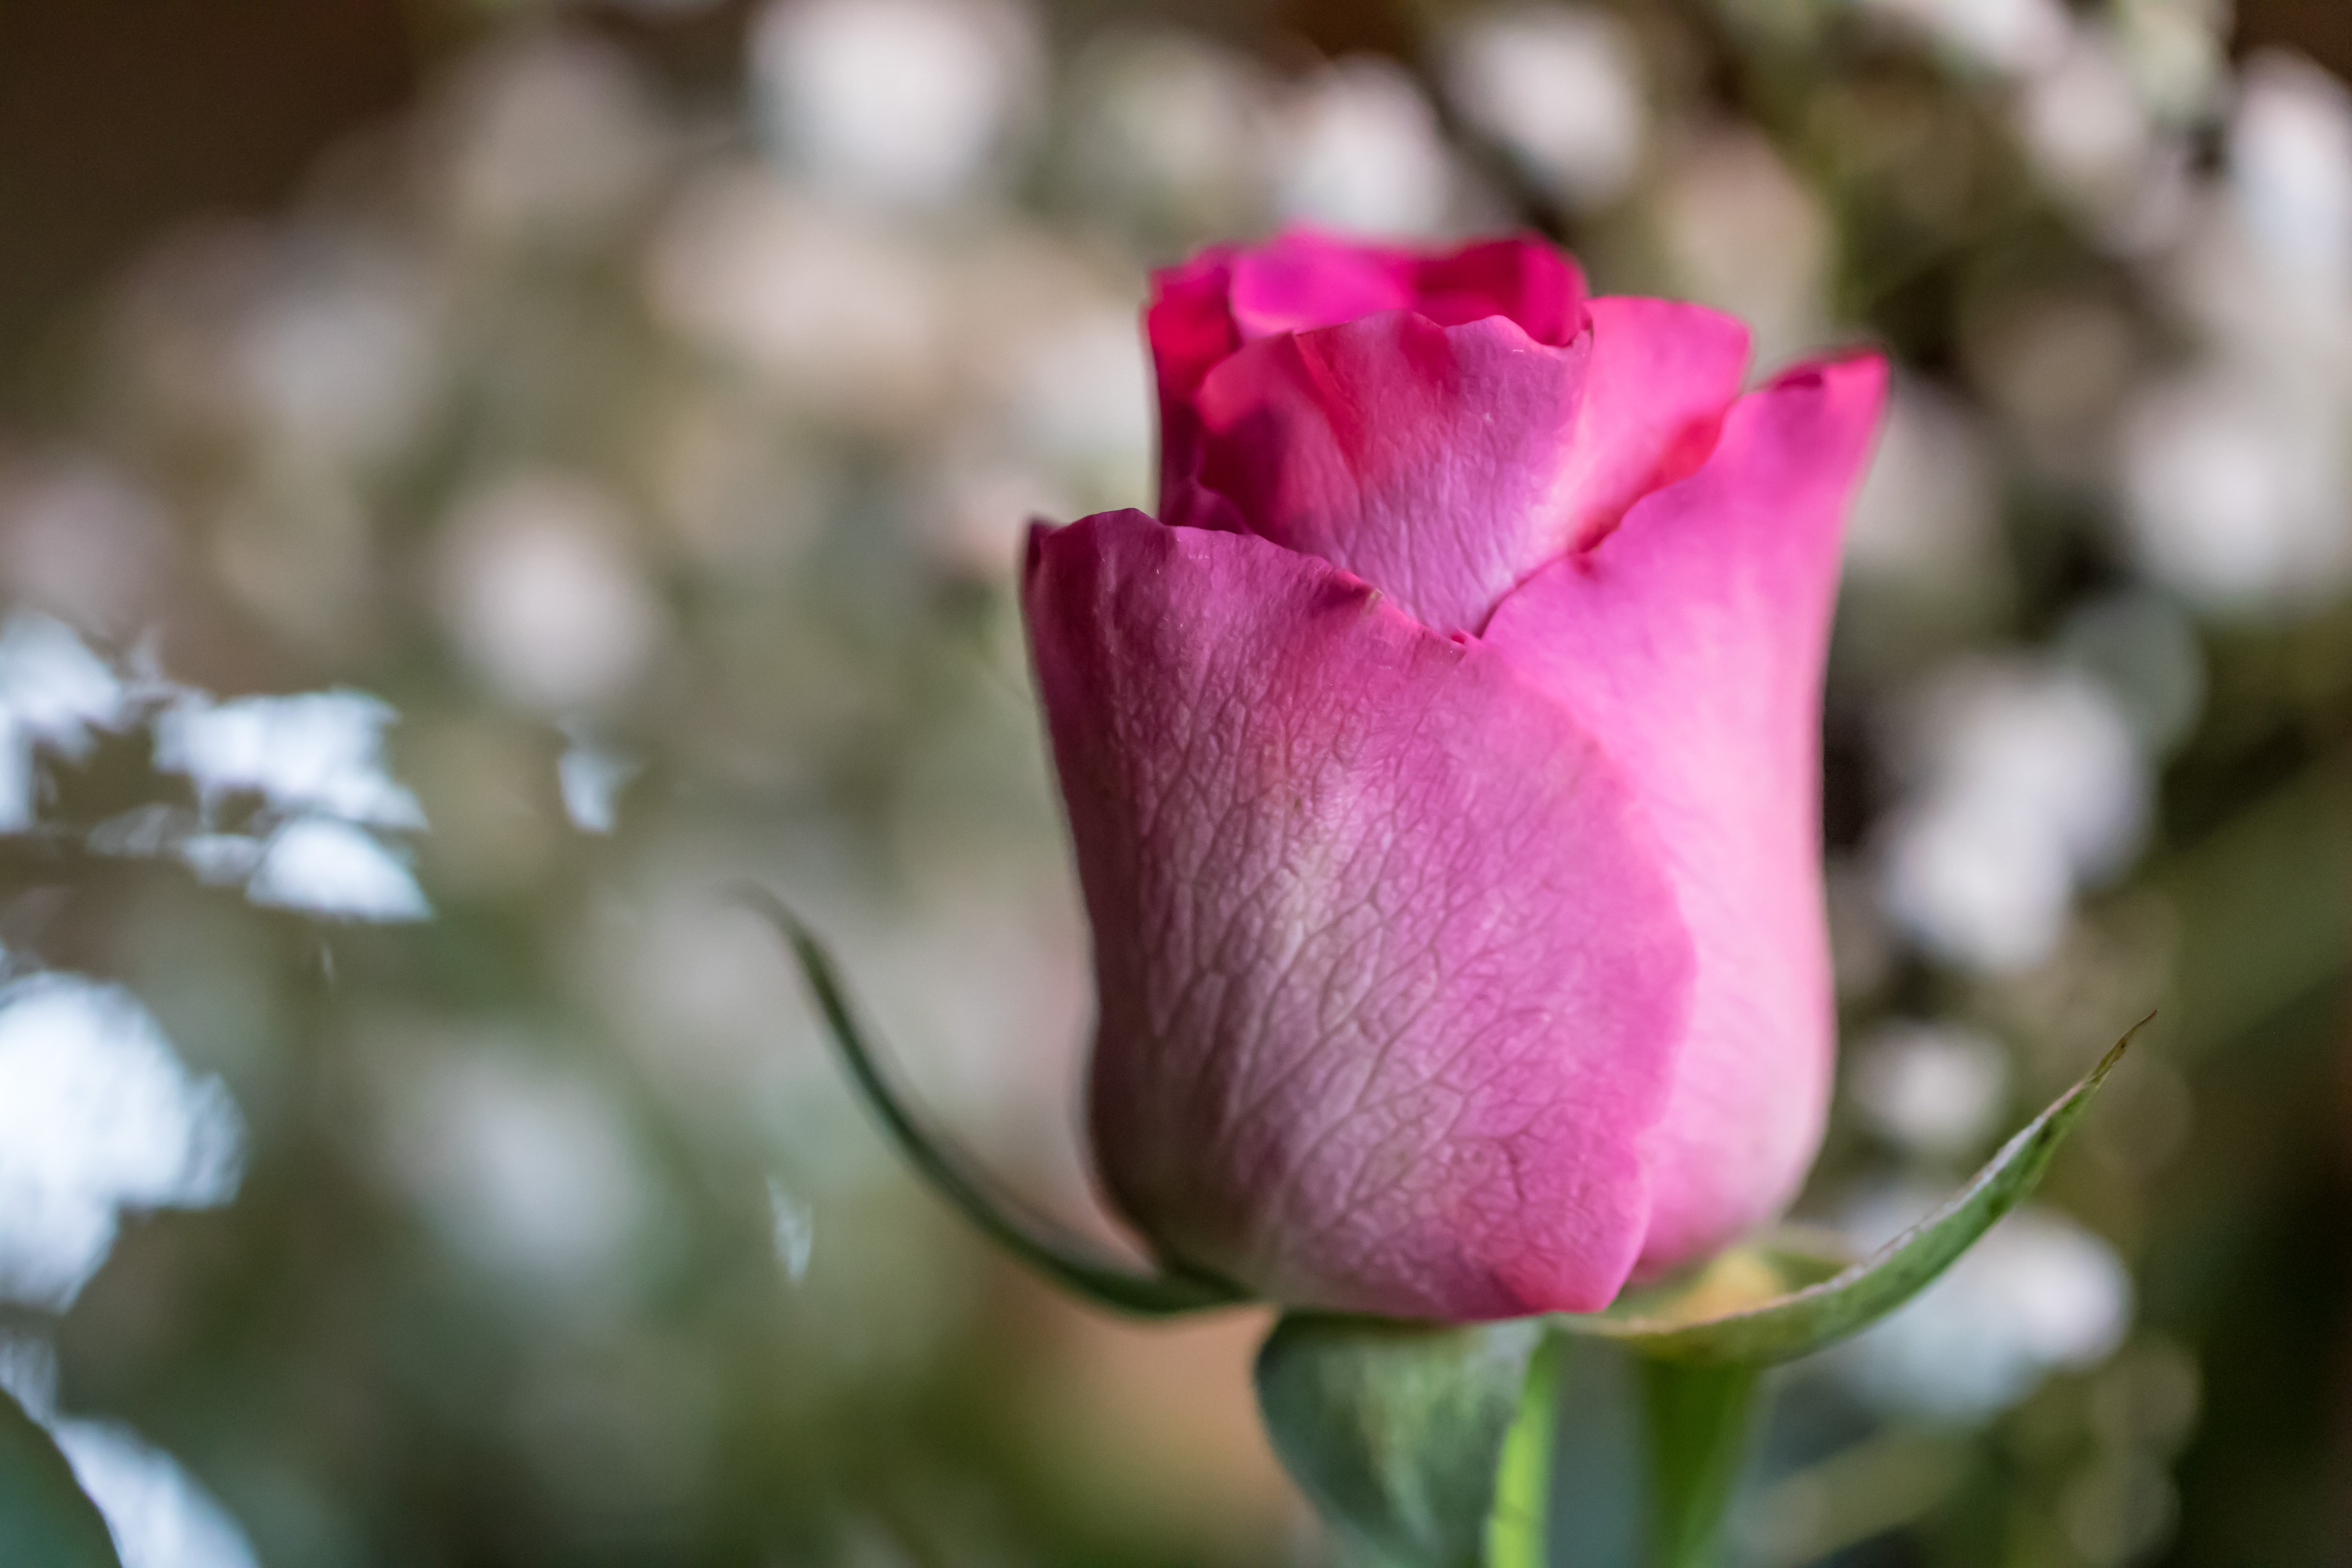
[
  {"x": 1690, "y": 643},
  {"x": 1391, "y": 976}
]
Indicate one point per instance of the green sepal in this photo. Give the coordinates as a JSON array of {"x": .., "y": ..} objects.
[
  {"x": 44, "y": 1516},
  {"x": 1431, "y": 1445},
  {"x": 1400, "y": 1432},
  {"x": 1688, "y": 1326},
  {"x": 1051, "y": 1248}
]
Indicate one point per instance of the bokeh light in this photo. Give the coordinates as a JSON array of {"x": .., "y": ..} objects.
[{"x": 597, "y": 478}]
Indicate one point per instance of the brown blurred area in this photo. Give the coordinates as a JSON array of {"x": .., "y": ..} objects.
[
  {"x": 120, "y": 117},
  {"x": 2320, "y": 29},
  {"x": 380, "y": 420}
]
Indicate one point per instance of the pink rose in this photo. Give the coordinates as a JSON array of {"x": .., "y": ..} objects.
[{"x": 1444, "y": 769}]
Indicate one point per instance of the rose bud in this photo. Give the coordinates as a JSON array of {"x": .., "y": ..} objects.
[{"x": 1444, "y": 768}]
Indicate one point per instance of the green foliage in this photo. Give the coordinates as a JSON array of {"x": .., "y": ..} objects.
[
  {"x": 45, "y": 1518},
  {"x": 1699, "y": 1417},
  {"x": 1398, "y": 1431}
]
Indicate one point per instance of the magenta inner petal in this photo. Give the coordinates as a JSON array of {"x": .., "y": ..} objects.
[
  {"x": 1425, "y": 459},
  {"x": 1302, "y": 280},
  {"x": 1520, "y": 278}
]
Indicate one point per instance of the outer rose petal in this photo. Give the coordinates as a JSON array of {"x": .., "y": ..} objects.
[
  {"x": 1426, "y": 459},
  {"x": 1690, "y": 643},
  {"x": 1390, "y": 979},
  {"x": 1663, "y": 373}
]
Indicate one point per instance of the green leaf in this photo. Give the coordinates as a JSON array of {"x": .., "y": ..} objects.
[
  {"x": 44, "y": 1516},
  {"x": 1698, "y": 1417},
  {"x": 1400, "y": 1432},
  {"x": 1052, "y": 1250},
  {"x": 1700, "y": 1326}
]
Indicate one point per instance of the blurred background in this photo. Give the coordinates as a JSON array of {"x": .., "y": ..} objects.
[{"x": 476, "y": 479}]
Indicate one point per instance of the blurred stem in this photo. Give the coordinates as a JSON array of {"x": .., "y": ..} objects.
[
  {"x": 1699, "y": 1420},
  {"x": 1517, "y": 1530}
]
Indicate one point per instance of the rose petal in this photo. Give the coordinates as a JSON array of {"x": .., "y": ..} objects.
[
  {"x": 1529, "y": 281},
  {"x": 1302, "y": 280},
  {"x": 1389, "y": 977},
  {"x": 1447, "y": 465},
  {"x": 1425, "y": 459},
  {"x": 1191, "y": 331},
  {"x": 1204, "y": 310},
  {"x": 1663, "y": 373},
  {"x": 1690, "y": 643}
]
